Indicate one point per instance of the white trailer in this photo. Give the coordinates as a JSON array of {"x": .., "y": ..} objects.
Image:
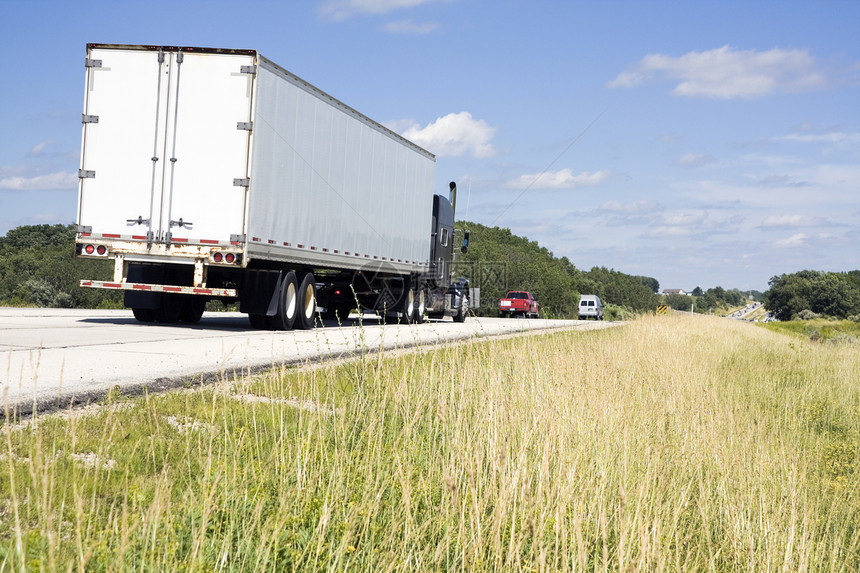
[{"x": 209, "y": 173}]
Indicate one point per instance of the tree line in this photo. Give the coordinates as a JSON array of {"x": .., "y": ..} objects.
[
  {"x": 38, "y": 267},
  {"x": 498, "y": 261},
  {"x": 713, "y": 299},
  {"x": 808, "y": 294}
]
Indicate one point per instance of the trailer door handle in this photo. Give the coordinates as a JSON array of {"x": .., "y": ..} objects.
[{"x": 181, "y": 223}]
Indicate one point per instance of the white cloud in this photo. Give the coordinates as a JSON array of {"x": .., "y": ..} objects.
[
  {"x": 831, "y": 138},
  {"x": 796, "y": 240},
  {"x": 783, "y": 221},
  {"x": 782, "y": 181},
  {"x": 727, "y": 73},
  {"x": 453, "y": 134},
  {"x": 564, "y": 179},
  {"x": 39, "y": 148},
  {"x": 695, "y": 160},
  {"x": 694, "y": 222},
  {"x": 48, "y": 181},
  {"x": 343, "y": 9},
  {"x": 664, "y": 231},
  {"x": 410, "y": 28},
  {"x": 641, "y": 206}
]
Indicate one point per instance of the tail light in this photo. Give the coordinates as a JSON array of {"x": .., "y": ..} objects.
[
  {"x": 221, "y": 258},
  {"x": 94, "y": 250}
]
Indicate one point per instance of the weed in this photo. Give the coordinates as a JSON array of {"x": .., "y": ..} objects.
[{"x": 672, "y": 444}]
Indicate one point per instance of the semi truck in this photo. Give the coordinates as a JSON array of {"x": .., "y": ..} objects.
[{"x": 215, "y": 174}]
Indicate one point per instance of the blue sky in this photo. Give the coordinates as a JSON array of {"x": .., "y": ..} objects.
[{"x": 700, "y": 143}]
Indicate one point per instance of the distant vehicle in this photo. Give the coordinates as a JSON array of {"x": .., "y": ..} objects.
[
  {"x": 519, "y": 303},
  {"x": 590, "y": 307}
]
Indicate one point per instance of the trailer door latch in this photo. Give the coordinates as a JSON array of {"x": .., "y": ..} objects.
[
  {"x": 139, "y": 221},
  {"x": 181, "y": 223}
]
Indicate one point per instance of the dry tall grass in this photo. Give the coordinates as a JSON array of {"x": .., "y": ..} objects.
[{"x": 670, "y": 444}]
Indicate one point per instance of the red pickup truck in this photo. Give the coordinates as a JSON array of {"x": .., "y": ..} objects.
[{"x": 518, "y": 303}]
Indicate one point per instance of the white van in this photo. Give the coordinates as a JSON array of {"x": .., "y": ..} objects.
[{"x": 590, "y": 307}]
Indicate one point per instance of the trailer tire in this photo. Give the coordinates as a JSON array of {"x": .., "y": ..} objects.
[
  {"x": 192, "y": 310},
  {"x": 407, "y": 311},
  {"x": 170, "y": 309},
  {"x": 288, "y": 304},
  {"x": 258, "y": 321},
  {"x": 462, "y": 309},
  {"x": 307, "y": 302},
  {"x": 144, "y": 314},
  {"x": 420, "y": 306}
]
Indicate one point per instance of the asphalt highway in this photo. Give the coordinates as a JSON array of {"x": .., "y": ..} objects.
[{"x": 57, "y": 357}]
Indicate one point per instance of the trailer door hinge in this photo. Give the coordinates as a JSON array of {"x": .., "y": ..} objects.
[
  {"x": 86, "y": 174},
  {"x": 248, "y": 69},
  {"x": 93, "y": 63},
  {"x": 241, "y": 182},
  {"x": 245, "y": 125},
  {"x": 84, "y": 228},
  {"x": 89, "y": 118},
  {"x": 237, "y": 238}
]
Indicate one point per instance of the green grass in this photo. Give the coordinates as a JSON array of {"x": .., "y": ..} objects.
[
  {"x": 669, "y": 444},
  {"x": 820, "y": 329}
]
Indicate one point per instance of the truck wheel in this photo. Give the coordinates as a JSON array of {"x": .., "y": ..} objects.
[
  {"x": 288, "y": 304},
  {"x": 169, "y": 309},
  {"x": 407, "y": 311},
  {"x": 462, "y": 310},
  {"x": 420, "y": 306},
  {"x": 258, "y": 321},
  {"x": 192, "y": 310},
  {"x": 307, "y": 302},
  {"x": 144, "y": 314}
]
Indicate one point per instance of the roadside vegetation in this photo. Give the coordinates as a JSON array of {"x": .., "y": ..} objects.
[
  {"x": 673, "y": 443},
  {"x": 498, "y": 261},
  {"x": 813, "y": 294},
  {"x": 716, "y": 300},
  {"x": 820, "y": 330},
  {"x": 38, "y": 268}
]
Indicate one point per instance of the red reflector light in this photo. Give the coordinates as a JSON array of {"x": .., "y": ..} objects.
[
  {"x": 230, "y": 257},
  {"x": 217, "y": 257},
  {"x": 90, "y": 249},
  {"x": 337, "y": 292},
  {"x": 101, "y": 249}
]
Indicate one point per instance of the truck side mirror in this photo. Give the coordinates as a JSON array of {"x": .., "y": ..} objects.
[{"x": 465, "y": 246}]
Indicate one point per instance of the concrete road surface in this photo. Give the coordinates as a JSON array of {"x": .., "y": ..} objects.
[{"x": 54, "y": 357}]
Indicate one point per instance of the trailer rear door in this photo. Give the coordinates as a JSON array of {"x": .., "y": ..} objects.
[{"x": 165, "y": 143}]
